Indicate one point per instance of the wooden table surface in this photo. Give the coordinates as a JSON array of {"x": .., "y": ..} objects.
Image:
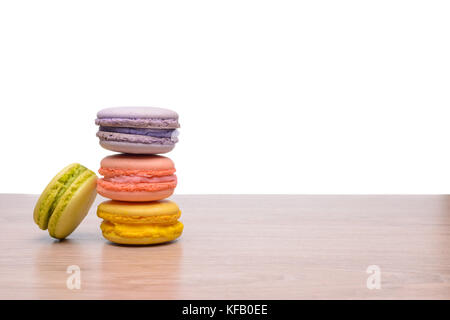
[{"x": 242, "y": 247}]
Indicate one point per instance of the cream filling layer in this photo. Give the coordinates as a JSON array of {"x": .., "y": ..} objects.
[{"x": 140, "y": 179}]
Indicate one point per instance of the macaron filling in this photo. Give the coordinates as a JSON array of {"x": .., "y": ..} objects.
[
  {"x": 136, "y": 183},
  {"x": 70, "y": 179},
  {"x": 139, "y": 179},
  {"x": 162, "y": 133},
  {"x": 164, "y": 219}
]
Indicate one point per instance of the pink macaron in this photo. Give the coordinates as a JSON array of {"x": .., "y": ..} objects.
[{"x": 129, "y": 177}]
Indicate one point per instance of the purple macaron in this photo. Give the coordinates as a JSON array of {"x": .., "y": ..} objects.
[{"x": 141, "y": 130}]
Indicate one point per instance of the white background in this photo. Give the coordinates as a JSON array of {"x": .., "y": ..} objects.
[{"x": 273, "y": 96}]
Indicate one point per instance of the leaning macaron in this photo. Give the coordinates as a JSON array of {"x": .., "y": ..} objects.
[
  {"x": 139, "y": 178},
  {"x": 65, "y": 201},
  {"x": 138, "y": 130},
  {"x": 140, "y": 223}
]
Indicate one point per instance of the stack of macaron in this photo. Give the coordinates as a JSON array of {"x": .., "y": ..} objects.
[{"x": 137, "y": 180}]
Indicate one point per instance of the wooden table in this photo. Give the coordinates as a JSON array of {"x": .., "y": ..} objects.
[{"x": 242, "y": 247}]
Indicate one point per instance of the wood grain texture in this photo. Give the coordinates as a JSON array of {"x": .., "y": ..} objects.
[{"x": 242, "y": 247}]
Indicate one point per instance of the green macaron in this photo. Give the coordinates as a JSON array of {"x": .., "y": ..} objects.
[{"x": 66, "y": 200}]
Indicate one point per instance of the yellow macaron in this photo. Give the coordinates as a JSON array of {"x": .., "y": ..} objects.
[{"x": 140, "y": 223}]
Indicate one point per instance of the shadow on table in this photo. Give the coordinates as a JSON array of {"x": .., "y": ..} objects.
[{"x": 141, "y": 272}]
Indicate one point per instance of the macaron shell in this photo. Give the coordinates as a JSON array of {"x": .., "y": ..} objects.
[
  {"x": 150, "y": 209},
  {"x": 166, "y": 219},
  {"x": 136, "y": 241},
  {"x": 140, "y": 196},
  {"x": 140, "y": 234},
  {"x": 137, "y": 162},
  {"x": 72, "y": 208},
  {"x": 147, "y": 173},
  {"x": 147, "y": 123},
  {"x": 137, "y": 112},
  {"x": 157, "y": 212},
  {"x": 138, "y": 117},
  {"x": 136, "y": 148},
  {"x": 135, "y": 138}
]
